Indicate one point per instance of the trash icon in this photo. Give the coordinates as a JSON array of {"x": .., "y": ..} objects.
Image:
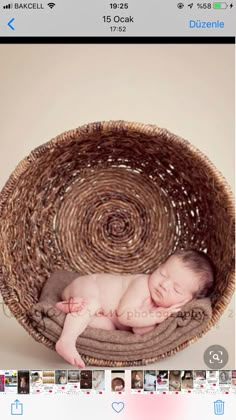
[{"x": 219, "y": 407}]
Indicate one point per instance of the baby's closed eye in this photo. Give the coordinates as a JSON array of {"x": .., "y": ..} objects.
[{"x": 178, "y": 291}]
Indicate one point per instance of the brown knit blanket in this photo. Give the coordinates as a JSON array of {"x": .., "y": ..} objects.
[{"x": 119, "y": 345}]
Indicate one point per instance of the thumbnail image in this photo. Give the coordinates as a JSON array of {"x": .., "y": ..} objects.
[
  {"x": 48, "y": 380},
  {"x": 86, "y": 379},
  {"x": 2, "y": 381},
  {"x": 175, "y": 380},
  {"x": 73, "y": 376},
  {"x": 212, "y": 383},
  {"x": 212, "y": 375},
  {"x": 136, "y": 379},
  {"x": 199, "y": 375},
  {"x": 61, "y": 377},
  {"x": 150, "y": 380},
  {"x": 36, "y": 377},
  {"x": 23, "y": 382},
  {"x": 48, "y": 377},
  {"x": 162, "y": 382},
  {"x": 118, "y": 380},
  {"x": 233, "y": 379},
  {"x": 162, "y": 377},
  {"x": 36, "y": 381},
  {"x": 225, "y": 377},
  {"x": 73, "y": 385},
  {"x": 199, "y": 381},
  {"x": 11, "y": 381},
  {"x": 187, "y": 379},
  {"x": 98, "y": 380}
]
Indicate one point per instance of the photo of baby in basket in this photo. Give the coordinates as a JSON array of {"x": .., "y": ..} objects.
[
  {"x": 113, "y": 301},
  {"x": 118, "y": 381}
]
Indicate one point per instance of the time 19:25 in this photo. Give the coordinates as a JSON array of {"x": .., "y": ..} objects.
[{"x": 119, "y": 5}]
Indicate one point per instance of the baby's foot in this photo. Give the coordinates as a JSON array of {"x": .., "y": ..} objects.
[
  {"x": 71, "y": 305},
  {"x": 70, "y": 354}
]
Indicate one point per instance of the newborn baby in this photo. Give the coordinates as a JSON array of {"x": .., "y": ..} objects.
[{"x": 131, "y": 302}]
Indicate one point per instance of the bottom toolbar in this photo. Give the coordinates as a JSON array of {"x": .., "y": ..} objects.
[{"x": 166, "y": 407}]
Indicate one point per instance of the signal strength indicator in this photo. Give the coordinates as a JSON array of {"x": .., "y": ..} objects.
[
  {"x": 190, "y": 5},
  {"x": 51, "y": 5},
  {"x": 8, "y": 6}
]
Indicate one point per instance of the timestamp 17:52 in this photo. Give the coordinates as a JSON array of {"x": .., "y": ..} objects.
[{"x": 118, "y": 28}]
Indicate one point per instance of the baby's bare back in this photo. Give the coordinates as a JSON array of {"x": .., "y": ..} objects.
[{"x": 104, "y": 289}]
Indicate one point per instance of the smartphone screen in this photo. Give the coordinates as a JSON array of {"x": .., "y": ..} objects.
[{"x": 117, "y": 213}]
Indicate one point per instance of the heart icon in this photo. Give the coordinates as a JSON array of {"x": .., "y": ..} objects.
[{"x": 118, "y": 406}]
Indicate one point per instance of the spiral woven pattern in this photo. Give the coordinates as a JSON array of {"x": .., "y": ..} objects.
[
  {"x": 119, "y": 222},
  {"x": 111, "y": 197}
]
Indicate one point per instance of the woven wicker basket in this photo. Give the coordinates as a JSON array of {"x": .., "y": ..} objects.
[{"x": 111, "y": 197}]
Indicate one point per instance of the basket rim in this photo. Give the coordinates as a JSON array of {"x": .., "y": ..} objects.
[{"x": 105, "y": 126}]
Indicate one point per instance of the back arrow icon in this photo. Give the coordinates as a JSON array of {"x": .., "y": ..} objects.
[{"x": 10, "y": 22}]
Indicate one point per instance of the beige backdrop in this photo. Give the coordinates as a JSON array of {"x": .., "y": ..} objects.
[{"x": 47, "y": 89}]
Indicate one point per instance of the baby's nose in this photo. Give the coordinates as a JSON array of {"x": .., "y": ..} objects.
[{"x": 165, "y": 285}]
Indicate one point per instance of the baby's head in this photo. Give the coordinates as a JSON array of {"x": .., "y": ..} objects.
[{"x": 184, "y": 276}]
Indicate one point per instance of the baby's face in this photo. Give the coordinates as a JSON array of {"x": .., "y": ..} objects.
[{"x": 172, "y": 283}]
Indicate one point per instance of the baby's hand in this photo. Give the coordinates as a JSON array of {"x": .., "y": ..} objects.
[
  {"x": 164, "y": 313},
  {"x": 174, "y": 308}
]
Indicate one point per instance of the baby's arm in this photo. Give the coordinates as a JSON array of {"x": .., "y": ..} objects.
[
  {"x": 160, "y": 314},
  {"x": 131, "y": 312},
  {"x": 128, "y": 310}
]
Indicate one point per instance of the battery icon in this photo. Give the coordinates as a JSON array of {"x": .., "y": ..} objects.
[{"x": 220, "y": 5}]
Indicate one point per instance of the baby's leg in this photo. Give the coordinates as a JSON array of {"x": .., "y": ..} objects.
[
  {"x": 75, "y": 323},
  {"x": 75, "y": 294},
  {"x": 98, "y": 321},
  {"x": 103, "y": 322}
]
